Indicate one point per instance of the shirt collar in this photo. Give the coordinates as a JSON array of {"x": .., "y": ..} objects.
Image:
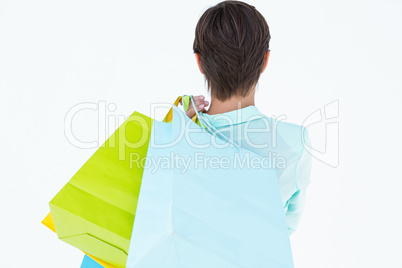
[{"x": 234, "y": 117}]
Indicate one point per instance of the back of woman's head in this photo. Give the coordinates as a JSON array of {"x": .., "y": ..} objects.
[{"x": 232, "y": 38}]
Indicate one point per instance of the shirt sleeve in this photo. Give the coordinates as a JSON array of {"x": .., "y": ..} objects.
[{"x": 298, "y": 199}]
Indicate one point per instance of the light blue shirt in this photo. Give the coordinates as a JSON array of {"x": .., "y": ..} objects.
[{"x": 282, "y": 143}]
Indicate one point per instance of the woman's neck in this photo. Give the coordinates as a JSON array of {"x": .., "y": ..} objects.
[{"x": 234, "y": 103}]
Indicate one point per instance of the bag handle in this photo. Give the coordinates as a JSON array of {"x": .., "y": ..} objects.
[
  {"x": 197, "y": 118},
  {"x": 185, "y": 100},
  {"x": 210, "y": 128}
]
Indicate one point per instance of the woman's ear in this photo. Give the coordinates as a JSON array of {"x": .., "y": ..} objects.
[
  {"x": 198, "y": 59},
  {"x": 266, "y": 61}
]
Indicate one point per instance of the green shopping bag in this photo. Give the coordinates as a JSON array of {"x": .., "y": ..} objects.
[{"x": 95, "y": 210}]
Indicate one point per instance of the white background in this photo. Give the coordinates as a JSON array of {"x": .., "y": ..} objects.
[{"x": 56, "y": 54}]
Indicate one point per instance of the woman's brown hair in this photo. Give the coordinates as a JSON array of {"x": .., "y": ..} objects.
[{"x": 232, "y": 38}]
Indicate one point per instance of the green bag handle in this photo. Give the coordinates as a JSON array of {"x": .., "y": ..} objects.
[
  {"x": 185, "y": 99},
  {"x": 186, "y": 102}
]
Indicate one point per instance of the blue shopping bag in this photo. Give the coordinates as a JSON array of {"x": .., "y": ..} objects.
[
  {"x": 200, "y": 207},
  {"x": 88, "y": 262}
]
